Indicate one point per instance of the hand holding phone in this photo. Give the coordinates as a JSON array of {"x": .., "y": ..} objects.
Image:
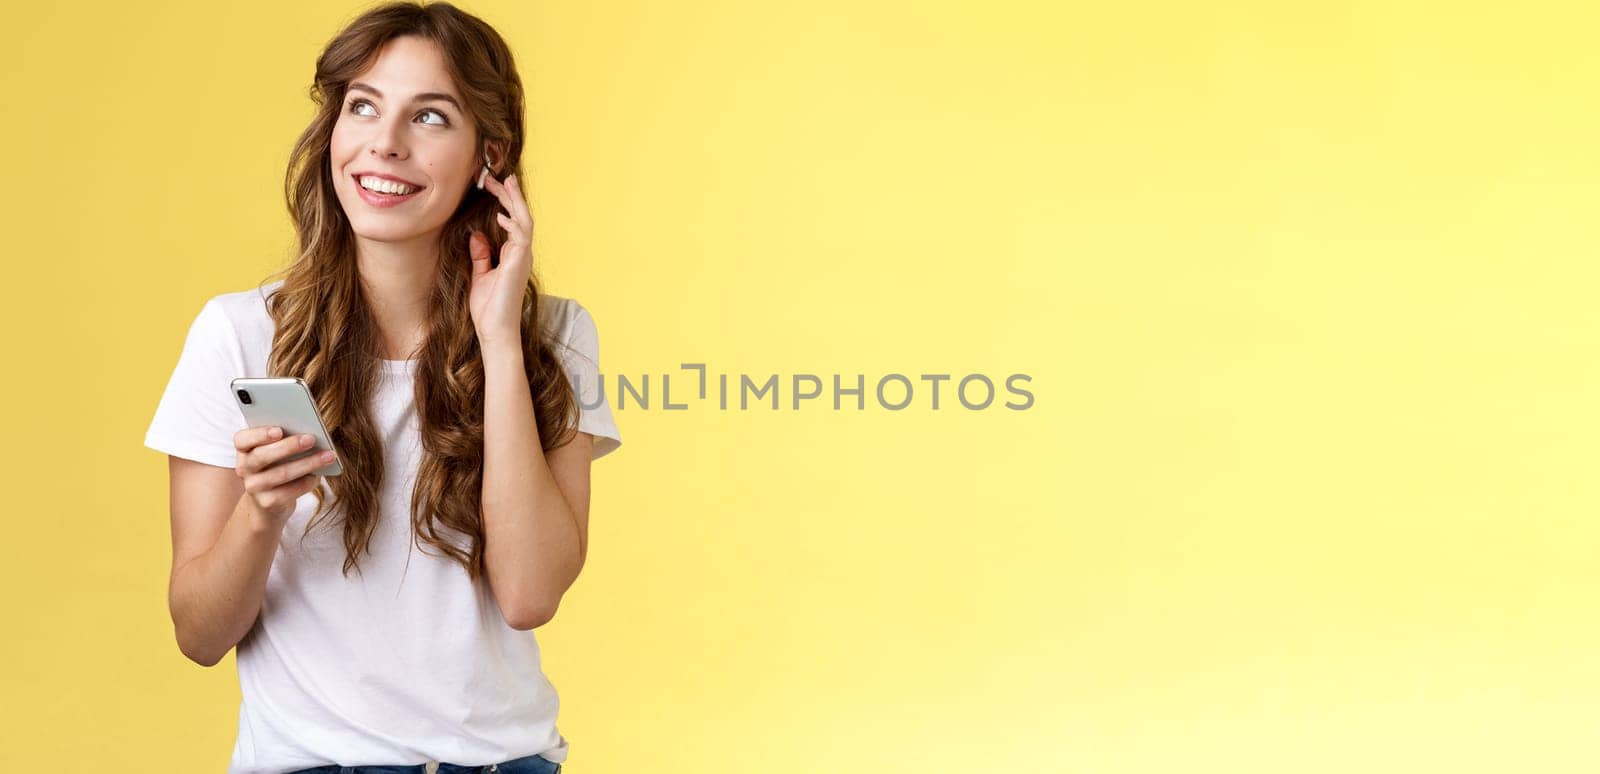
[
  {"x": 286, "y": 448},
  {"x": 275, "y": 470}
]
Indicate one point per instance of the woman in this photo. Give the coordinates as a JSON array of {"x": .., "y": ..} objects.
[{"x": 383, "y": 617}]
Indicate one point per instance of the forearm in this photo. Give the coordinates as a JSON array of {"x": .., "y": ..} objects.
[
  {"x": 215, "y": 597},
  {"x": 532, "y": 540}
]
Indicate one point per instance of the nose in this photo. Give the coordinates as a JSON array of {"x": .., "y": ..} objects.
[{"x": 389, "y": 142}]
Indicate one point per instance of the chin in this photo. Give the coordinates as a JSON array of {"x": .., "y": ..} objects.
[
  {"x": 386, "y": 232},
  {"x": 381, "y": 226}
]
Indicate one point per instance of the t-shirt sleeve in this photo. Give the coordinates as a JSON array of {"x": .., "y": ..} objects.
[
  {"x": 197, "y": 418},
  {"x": 581, "y": 358}
]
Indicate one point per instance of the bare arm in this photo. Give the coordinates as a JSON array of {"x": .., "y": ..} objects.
[
  {"x": 535, "y": 505},
  {"x": 219, "y": 567},
  {"x": 225, "y": 528}
]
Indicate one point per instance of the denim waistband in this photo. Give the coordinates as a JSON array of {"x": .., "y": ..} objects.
[{"x": 532, "y": 764}]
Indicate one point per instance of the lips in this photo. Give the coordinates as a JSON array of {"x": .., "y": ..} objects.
[{"x": 377, "y": 199}]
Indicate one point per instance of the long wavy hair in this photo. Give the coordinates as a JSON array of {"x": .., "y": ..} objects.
[{"x": 327, "y": 335}]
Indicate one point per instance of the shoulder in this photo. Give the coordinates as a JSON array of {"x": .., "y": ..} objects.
[
  {"x": 564, "y": 318},
  {"x": 241, "y": 317},
  {"x": 571, "y": 331},
  {"x": 245, "y": 308}
]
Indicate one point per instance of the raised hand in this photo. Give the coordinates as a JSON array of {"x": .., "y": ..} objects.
[{"x": 495, "y": 300}]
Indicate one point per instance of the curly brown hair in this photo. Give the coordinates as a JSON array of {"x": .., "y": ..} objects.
[{"x": 327, "y": 335}]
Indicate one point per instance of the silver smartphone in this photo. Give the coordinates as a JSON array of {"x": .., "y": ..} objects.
[{"x": 285, "y": 402}]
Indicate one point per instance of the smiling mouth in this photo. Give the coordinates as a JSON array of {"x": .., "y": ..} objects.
[{"x": 381, "y": 187}]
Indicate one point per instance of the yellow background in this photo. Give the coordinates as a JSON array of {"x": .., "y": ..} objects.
[{"x": 1306, "y": 293}]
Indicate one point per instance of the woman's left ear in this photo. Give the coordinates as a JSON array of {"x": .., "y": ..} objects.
[
  {"x": 490, "y": 162},
  {"x": 494, "y": 155}
]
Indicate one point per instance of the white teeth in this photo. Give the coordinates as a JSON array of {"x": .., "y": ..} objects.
[{"x": 385, "y": 186}]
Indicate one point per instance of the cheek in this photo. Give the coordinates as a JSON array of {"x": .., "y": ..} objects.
[
  {"x": 339, "y": 146},
  {"x": 448, "y": 171}
]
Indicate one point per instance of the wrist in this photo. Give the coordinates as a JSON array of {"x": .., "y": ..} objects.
[
  {"x": 258, "y": 521},
  {"x": 500, "y": 347}
]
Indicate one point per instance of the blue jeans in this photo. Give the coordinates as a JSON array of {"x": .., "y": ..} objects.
[{"x": 533, "y": 764}]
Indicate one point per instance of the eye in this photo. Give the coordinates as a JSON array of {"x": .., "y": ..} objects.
[{"x": 357, "y": 104}]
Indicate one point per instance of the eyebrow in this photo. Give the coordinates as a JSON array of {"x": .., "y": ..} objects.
[{"x": 423, "y": 97}]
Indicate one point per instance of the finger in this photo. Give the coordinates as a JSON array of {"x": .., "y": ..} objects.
[
  {"x": 516, "y": 252},
  {"x": 251, "y": 437},
  {"x": 478, "y": 248},
  {"x": 511, "y": 199},
  {"x": 307, "y": 465},
  {"x": 520, "y": 212},
  {"x": 513, "y": 228},
  {"x": 286, "y": 473},
  {"x": 264, "y": 457},
  {"x": 288, "y": 492},
  {"x": 499, "y": 190}
]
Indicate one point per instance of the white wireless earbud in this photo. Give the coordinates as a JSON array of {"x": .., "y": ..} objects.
[{"x": 485, "y": 169}]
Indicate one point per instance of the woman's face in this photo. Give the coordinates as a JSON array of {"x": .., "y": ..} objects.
[{"x": 402, "y": 130}]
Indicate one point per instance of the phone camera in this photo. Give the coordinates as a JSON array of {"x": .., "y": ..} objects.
[{"x": 244, "y": 396}]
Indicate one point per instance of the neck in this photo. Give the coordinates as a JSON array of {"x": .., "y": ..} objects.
[{"x": 397, "y": 278}]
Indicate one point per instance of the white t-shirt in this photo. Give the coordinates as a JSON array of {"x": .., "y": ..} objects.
[{"x": 406, "y": 661}]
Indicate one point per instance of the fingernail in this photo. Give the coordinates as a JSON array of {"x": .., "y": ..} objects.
[
  {"x": 275, "y": 433},
  {"x": 305, "y": 440},
  {"x": 327, "y": 456}
]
